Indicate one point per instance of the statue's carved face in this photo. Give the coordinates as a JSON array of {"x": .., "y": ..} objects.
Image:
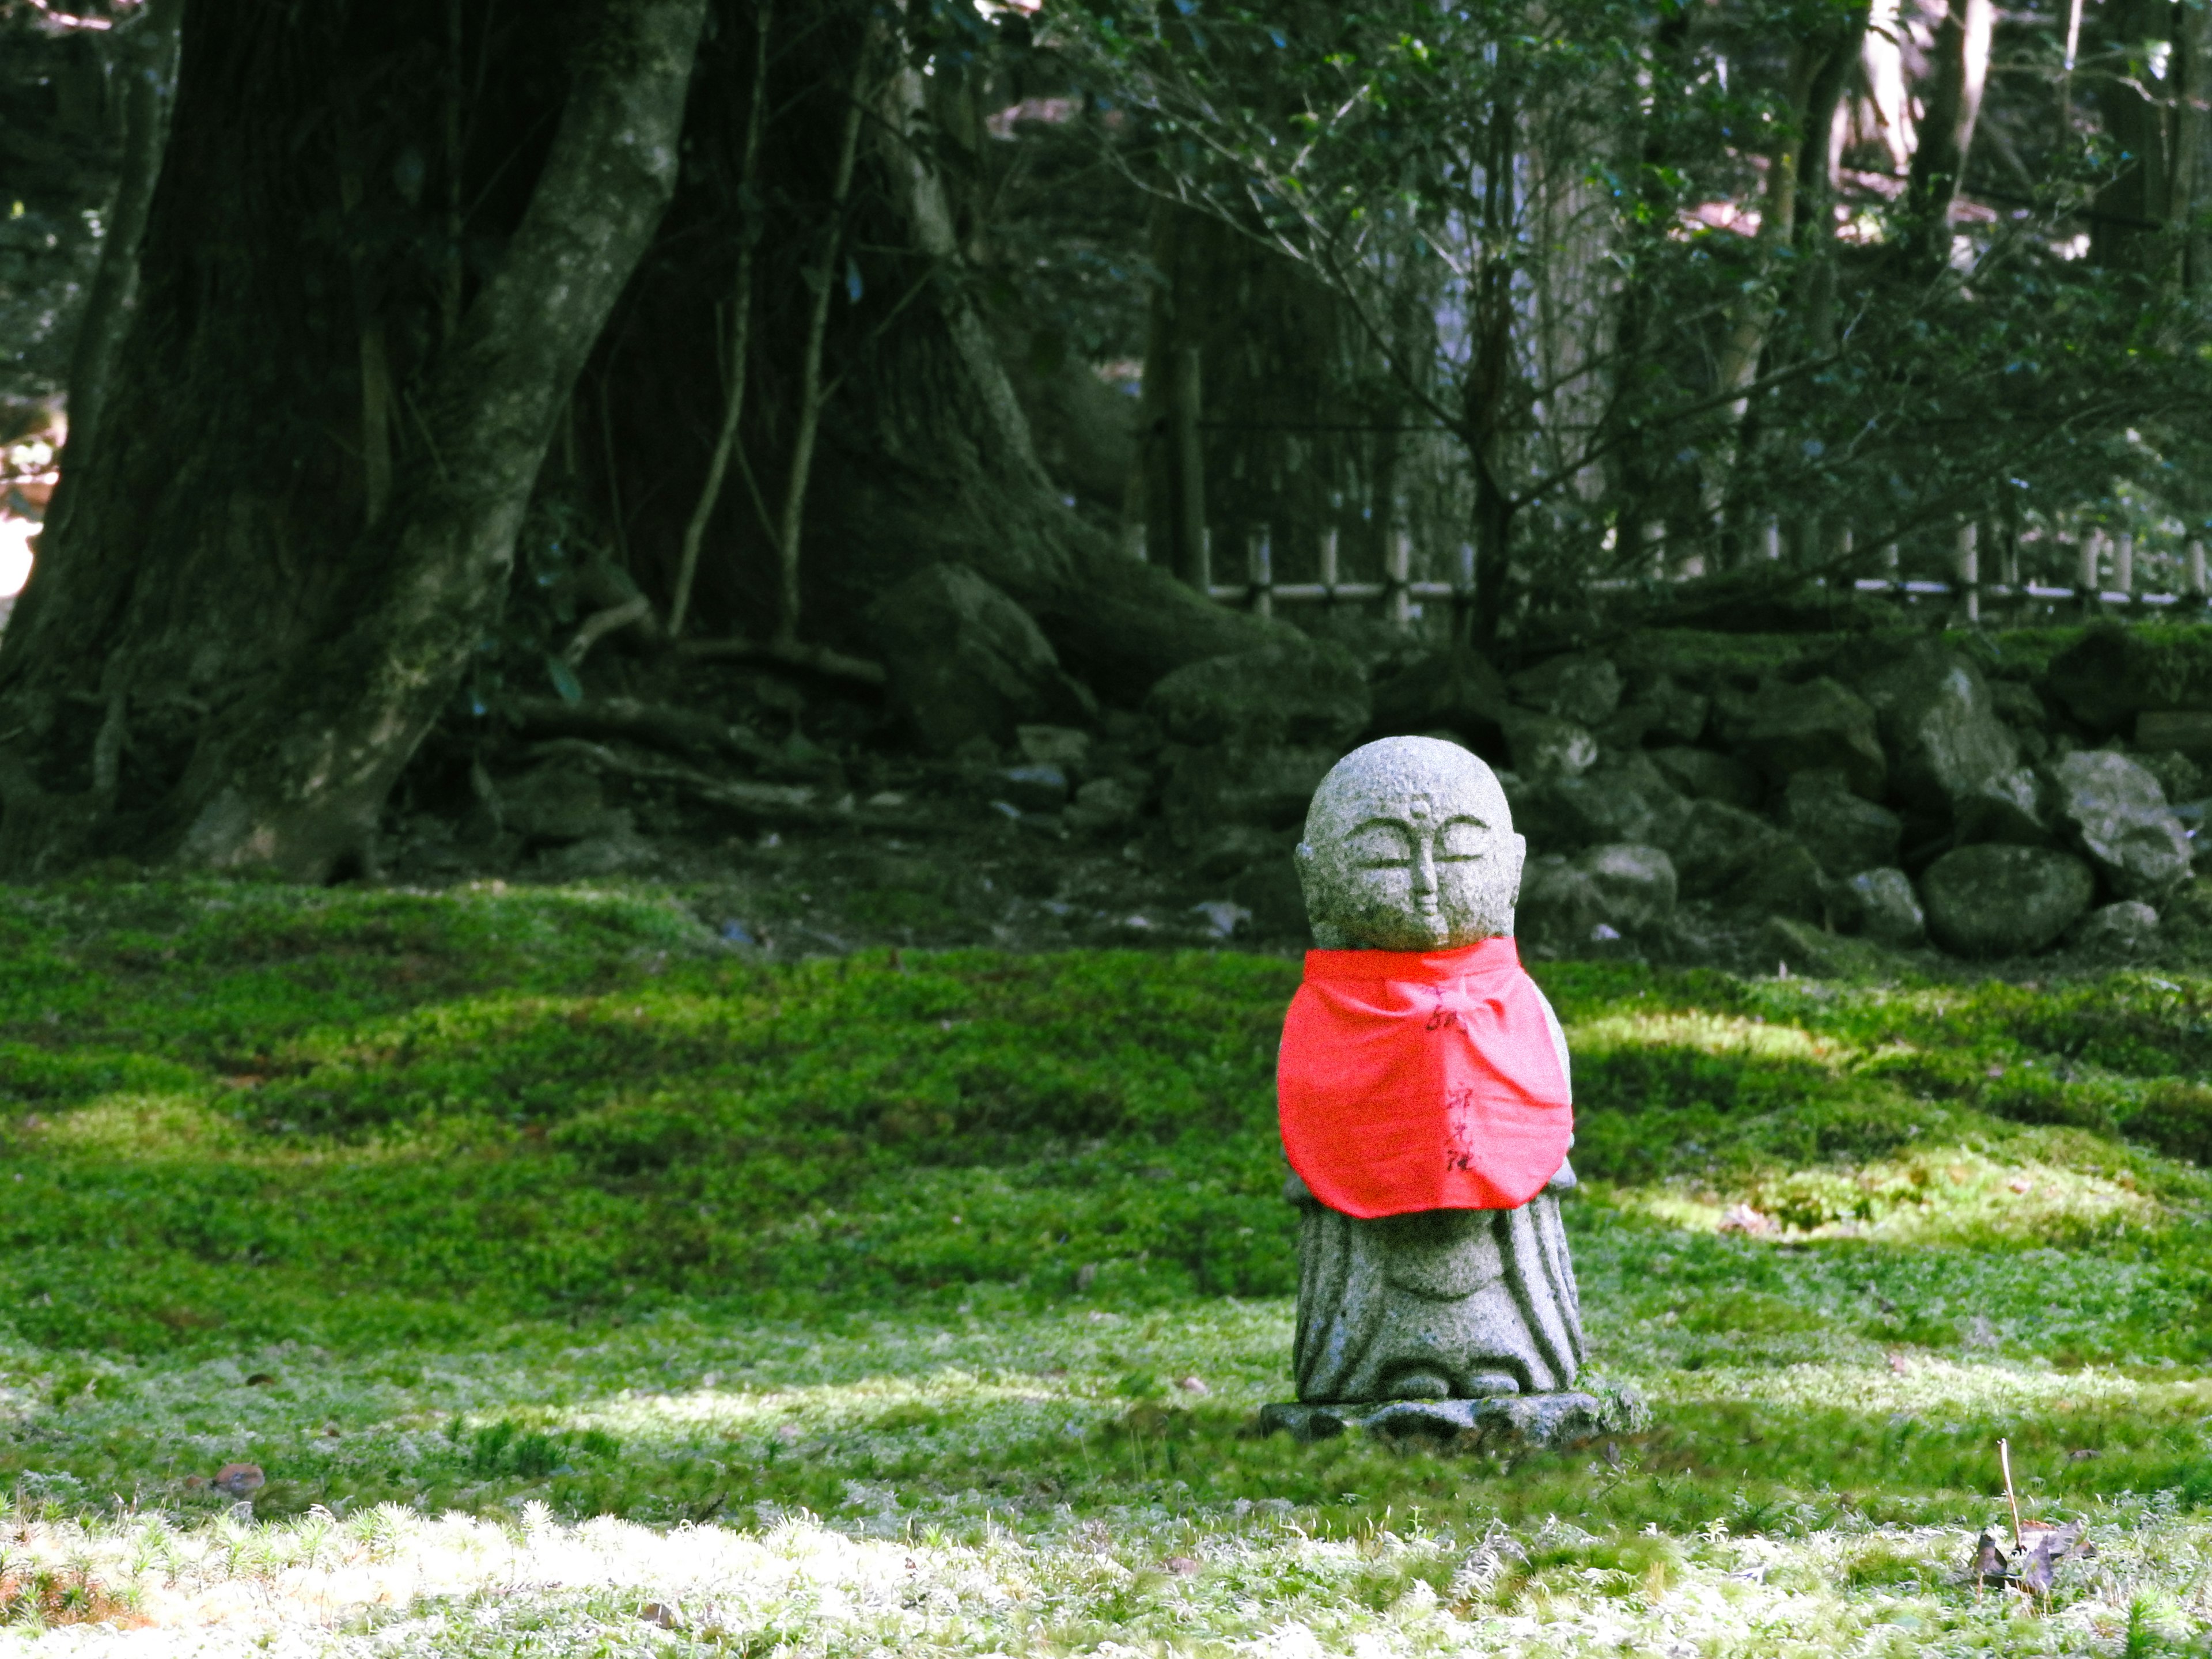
[{"x": 1409, "y": 846}]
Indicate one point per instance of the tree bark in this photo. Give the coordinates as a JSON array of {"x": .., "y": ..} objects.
[
  {"x": 1953, "y": 105},
  {"x": 150, "y": 67},
  {"x": 292, "y": 719}
]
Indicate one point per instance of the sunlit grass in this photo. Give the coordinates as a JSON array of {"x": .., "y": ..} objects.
[{"x": 553, "y": 1261}]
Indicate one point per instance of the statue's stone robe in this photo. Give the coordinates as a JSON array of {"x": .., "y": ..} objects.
[{"x": 1459, "y": 1304}]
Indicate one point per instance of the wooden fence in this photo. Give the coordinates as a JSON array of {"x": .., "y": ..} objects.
[{"x": 2105, "y": 584}]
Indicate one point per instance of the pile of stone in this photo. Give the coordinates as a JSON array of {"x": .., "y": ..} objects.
[{"x": 1887, "y": 791}]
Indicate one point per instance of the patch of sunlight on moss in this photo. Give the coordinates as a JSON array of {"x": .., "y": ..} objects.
[
  {"x": 1706, "y": 1033},
  {"x": 1928, "y": 1384},
  {"x": 145, "y": 1126},
  {"x": 392, "y": 1580},
  {"x": 1933, "y": 1195}
]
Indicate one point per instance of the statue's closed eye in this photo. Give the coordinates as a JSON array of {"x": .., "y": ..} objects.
[
  {"x": 1461, "y": 841},
  {"x": 1381, "y": 846}
]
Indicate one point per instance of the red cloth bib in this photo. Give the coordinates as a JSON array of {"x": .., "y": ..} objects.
[{"x": 1418, "y": 1080}]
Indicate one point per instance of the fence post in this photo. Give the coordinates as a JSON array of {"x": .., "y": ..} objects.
[
  {"x": 2197, "y": 586},
  {"x": 1133, "y": 542},
  {"x": 1260, "y": 571},
  {"x": 1654, "y": 545},
  {"x": 1770, "y": 537},
  {"x": 2123, "y": 565},
  {"x": 1463, "y": 594},
  {"x": 1968, "y": 544},
  {"x": 1398, "y": 570},
  {"x": 1329, "y": 565},
  {"x": 1187, "y": 470},
  {"x": 1890, "y": 567},
  {"x": 1203, "y": 573},
  {"x": 2087, "y": 580}
]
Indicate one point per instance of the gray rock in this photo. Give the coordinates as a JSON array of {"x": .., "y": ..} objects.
[
  {"x": 2178, "y": 775},
  {"x": 555, "y": 802},
  {"x": 1936, "y": 716},
  {"x": 1706, "y": 775},
  {"x": 1842, "y": 831},
  {"x": 1672, "y": 712},
  {"x": 2192, "y": 816},
  {"x": 1581, "y": 688},
  {"x": 2127, "y": 929},
  {"x": 1623, "y": 799},
  {"x": 1882, "y": 905},
  {"x": 1227, "y": 848},
  {"x": 1067, "y": 747},
  {"x": 1034, "y": 788},
  {"x": 1810, "y": 951},
  {"x": 2111, "y": 810},
  {"x": 967, "y": 663},
  {"x": 1526, "y": 1422},
  {"x": 1543, "y": 745},
  {"x": 1743, "y": 862},
  {"x": 1816, "y": 727},
  {"x": 613, "y": 848},
  {"x": 1103, "y": 806},
  {"x": 1268, "y": 888},
  {"x": 1597, "y": 903},
  {"x": 1268, "y": 788},
  {"x": 1456, "y": 690},
  {"x": 1299, "y": 695},
  {"x": 1445, "y": 1303},
  {"x": 2008, "y": 807},
  {"x": 1996, "y": 901},
  {"x": 2018, "y": 705}
]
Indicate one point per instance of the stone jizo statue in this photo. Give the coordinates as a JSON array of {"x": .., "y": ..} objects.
[{"x": 1425, "y": 1102}]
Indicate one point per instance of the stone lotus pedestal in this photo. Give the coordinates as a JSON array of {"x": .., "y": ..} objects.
[{"x": 1526, "y": 1421}]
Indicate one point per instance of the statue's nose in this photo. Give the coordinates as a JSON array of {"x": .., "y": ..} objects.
[{"x": 1424, "y": 874}]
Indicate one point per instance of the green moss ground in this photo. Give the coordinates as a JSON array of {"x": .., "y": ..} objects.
[{"x": 502, "y": 1198}]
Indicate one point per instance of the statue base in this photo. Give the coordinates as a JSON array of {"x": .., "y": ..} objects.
[{"x": 1525, "y": 1421}]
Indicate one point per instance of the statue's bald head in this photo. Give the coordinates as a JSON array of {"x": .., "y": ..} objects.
[{"x": 1409, "y": 846}]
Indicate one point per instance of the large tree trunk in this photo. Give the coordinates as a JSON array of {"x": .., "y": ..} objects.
[{"x": 213, "y": 667}]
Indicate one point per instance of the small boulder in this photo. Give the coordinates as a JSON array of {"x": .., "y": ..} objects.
[
  {"x": 1067, "y": 747},
  {"x": 1944, "y": 737},
  {"x": 1301, "y": 693},
  {"x": 1672, "y": 712},
  {"x": 1842, "y": 831},
  {"x": 1594, "y": 904},
  {"x": 1635, "y": 886},
  {"x": 1034, "y": 787},
  {"x": 1103, "y": 806},
  {"x": 2018, "y": 705},
  {"x": 1801, "y": 949},
  {"x": 1882, "y": 905},
  {"x": 1269, "y": 888},
  {"x": 1998, "y": 901},
  {"x": 1543, "y": 745},
  {"x": 1621, "y": 799},
  {"x": 557, "y": 802},
  {"x": 1268, "y": 788},
  {"x": 1704, "y": 774},
  {"x": 2007, "y": 807},
  {"x": 1581, "y": 688},
  {"x": 2112, "y": 808},
  {"x": 1456, "y": 690},
  {"x": 966, "y": 663},
  {"x": 2124, "y": 930},
  {"x": 1741, "y": 862},
  {"x": 1818, "y": 725}
]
